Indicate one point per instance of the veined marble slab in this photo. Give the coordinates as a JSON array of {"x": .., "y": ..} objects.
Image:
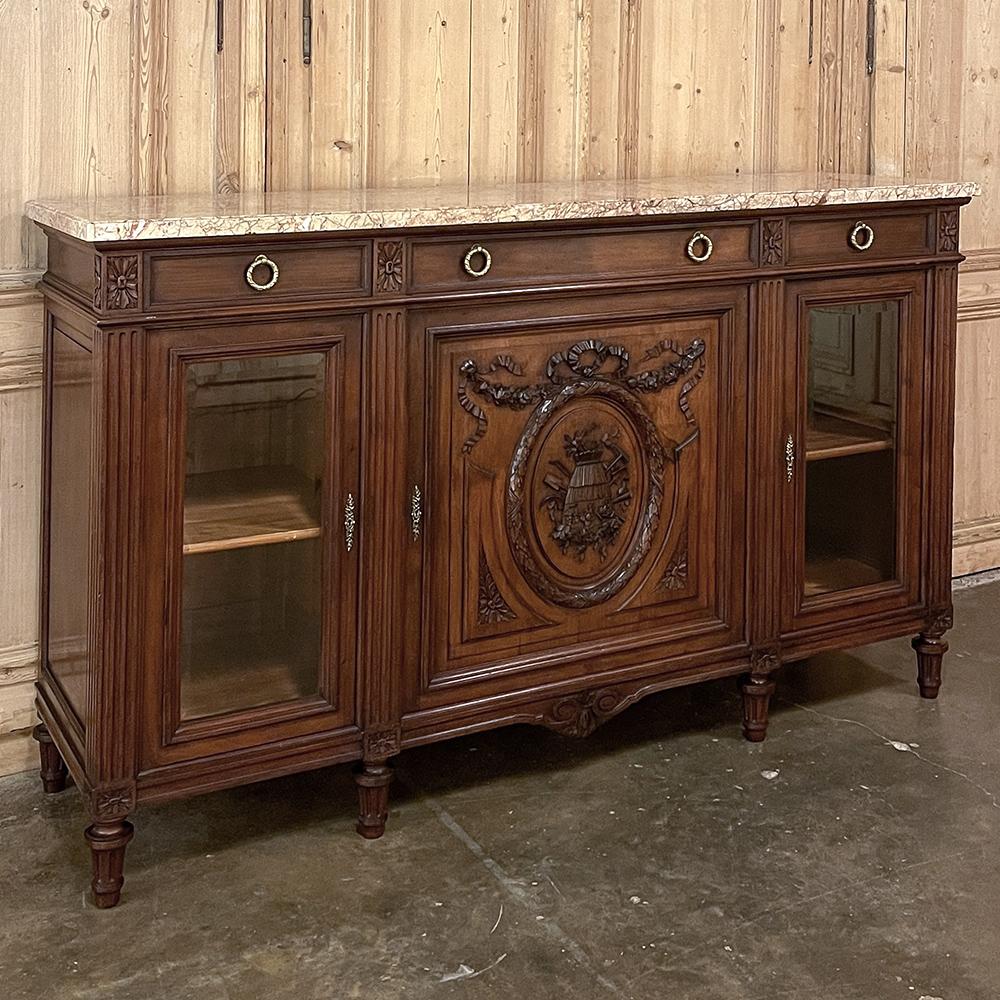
[{"x": 190, "y": 216}]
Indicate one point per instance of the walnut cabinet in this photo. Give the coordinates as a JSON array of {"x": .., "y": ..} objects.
[{"x": 317, "y": 498}]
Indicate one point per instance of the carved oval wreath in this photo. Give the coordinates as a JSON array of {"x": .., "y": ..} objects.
[{"x": 653, "y": 452}]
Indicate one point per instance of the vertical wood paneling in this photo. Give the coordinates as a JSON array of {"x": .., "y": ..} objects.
[
  {"x": 980, "y": 145},
  {"x": 85, "y": 113},
  {"x": 317, "y": 129},
  {"x": 888, "y": 125},
  {"x": 18, "y": 128},
  {"x": 547, "y": 47},
  {"x": 697, "y": 87},
  {"x": 493, "y": 99},
  {"x": 787, "y": 88},
  {"x": 419, "y": 93}
]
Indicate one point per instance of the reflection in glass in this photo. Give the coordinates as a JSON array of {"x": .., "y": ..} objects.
[
  {"x": 69, "y": 518},
  {"x": 851, "y": 442},
  {"x": 251, "y": 610}
]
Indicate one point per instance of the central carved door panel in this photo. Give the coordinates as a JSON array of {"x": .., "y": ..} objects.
[{"x": 583, "y": 489}]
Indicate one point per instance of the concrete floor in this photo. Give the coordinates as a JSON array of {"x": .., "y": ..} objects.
[{"x": 853, "y": 855}]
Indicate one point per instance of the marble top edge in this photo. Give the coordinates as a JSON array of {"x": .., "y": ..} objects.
[{"x": 110, "y": 219}]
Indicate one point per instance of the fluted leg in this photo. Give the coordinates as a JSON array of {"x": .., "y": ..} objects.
[
  {"x": 53, "y": 767},
  {"x": 757, "y": 691},
  {"x": 373, "y": 781},
  {"x": 930, "y": 651},
  {"x": 108, "y": 840},
  {"x": 930, "y": 647}
]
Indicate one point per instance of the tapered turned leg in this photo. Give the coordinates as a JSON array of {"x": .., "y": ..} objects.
[
  {"x": 930, "y": 654},
  {"x": 372, "y": 779},
  {"x": 108, "y": 840},
  {"x": 53, "y": 769},
  {"x": 757, "y": 693},
  {"x": 757, "y": 687},
  {"x": 930, "y": 647}
]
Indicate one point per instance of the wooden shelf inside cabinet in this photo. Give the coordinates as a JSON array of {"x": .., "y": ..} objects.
[
  {"x": 834, "y": 437},
  {"x": 223, "y": 675},
  {"x": 824, "y": 576},
  {"x": 239, "y": 508}
]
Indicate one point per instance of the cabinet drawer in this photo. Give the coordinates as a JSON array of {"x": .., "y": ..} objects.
[
  {"x": 540, "y": 259},
  {"x": 859, "y": 237},
  {"x": 181, "y": 278}
]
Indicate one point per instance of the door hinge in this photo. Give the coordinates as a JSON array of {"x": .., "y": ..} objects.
[
  {"x": 812, "y": 29},
  {"x": 307, "y": 32},
  {"x": 870, "y": 40}
]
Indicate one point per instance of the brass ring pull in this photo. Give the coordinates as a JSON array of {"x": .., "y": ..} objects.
[
  {"x": 262, "y": 261},
  {"x": 475, "y": 251},
  {"x": 708, "y": 247},
  {"x": 862, "y": 237}
]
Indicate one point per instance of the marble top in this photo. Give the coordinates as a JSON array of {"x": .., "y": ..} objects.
[{"x": 192, "y": 216}]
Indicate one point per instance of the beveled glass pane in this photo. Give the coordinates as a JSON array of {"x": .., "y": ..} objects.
[
  {"x": 851, "y": 446},
  {"x": 251, "y": 626}
]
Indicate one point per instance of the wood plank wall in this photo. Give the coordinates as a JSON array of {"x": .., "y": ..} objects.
[{"x": 113, "y": 96}]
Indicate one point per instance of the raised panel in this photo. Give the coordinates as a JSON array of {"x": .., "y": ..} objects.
[
  {"x": 585, "y": 478},
  {"x": 183, "y": 278},
  {"x": 828, "y": 241}
]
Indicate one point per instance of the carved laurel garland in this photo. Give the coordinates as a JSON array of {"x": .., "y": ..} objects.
[{"x": 584, "y": 360}]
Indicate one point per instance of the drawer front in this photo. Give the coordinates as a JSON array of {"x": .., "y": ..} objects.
[
  {"x": 541, "y": 260},
  {"x": 859, "y": 237},
  {"x": 220, "y": 278}
]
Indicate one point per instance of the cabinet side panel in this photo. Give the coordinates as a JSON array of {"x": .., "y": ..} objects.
[{"x": 68, "y": 653}]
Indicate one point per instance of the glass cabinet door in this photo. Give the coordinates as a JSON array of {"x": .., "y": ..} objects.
[
  {"x": 254, "y": 447},
  {"x": 852, "y": 475},
  {"x": 259, "y": 432}
]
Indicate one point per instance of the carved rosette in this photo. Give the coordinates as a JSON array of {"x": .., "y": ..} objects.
[
  {"x": 940, "y": 620},
  {"x": 389, "y": 267},
  {"x": 380, "y": 744},
  {"x": 573, "y": 460},
  {"x": 948, "y": 230},
  {"x": 580, "y": 714},
  {"x": 772, "y": 242},
  {"x": 116, "y": 283},
  {"x": 112, "y": 801}
]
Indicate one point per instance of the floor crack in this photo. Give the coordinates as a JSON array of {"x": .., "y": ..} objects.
[
  {"x": 898, "y": 745},
  {"x": 509, "y": 885}
]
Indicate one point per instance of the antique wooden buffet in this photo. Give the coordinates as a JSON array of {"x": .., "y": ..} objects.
[{"x": 328, "y": 476}]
